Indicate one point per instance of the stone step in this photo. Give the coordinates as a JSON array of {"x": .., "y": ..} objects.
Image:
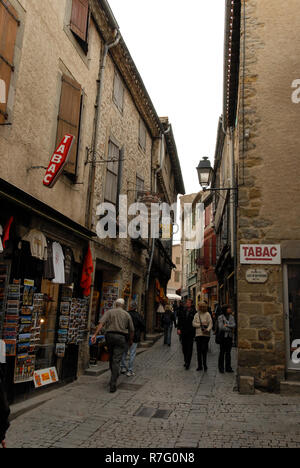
[
  {"x": 294, "y": 376},
  {"x": 97, "y": 370},
  {"x": 146, "y": 344},
  {"x": 290, "y": 388}
]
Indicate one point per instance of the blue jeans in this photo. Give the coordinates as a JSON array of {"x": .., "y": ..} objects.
[
  {"x": 168, "y": 333},
  {"x": 132, "y": 354}
]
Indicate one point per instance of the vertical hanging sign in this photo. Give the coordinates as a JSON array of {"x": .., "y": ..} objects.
[{"x": 58, "y": 161}]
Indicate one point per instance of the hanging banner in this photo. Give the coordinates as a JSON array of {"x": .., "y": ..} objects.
[{"x": 58, "y": 161}]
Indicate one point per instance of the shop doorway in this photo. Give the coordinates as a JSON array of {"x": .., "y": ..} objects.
[{"x": 292, "y": 314}]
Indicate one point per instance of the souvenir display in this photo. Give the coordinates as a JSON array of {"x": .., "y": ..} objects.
[
  {"x": 110, "y": 293},
  {"x": 22, "y": 326},
  {"x": 78, "y": 320},
  {"x": 4, "y": 273}
]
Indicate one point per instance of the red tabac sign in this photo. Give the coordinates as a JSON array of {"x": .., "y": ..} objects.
[{"x": 58, "y": 161}]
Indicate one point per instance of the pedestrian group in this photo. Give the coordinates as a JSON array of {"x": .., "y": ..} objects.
[{"x": 123, "y": 333}]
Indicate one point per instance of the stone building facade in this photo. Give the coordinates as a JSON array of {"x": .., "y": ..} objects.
[
  {"x": 65, "y": 68},
  {"x": 176, "y": 278},
  {"x": 261, "y": 90}
]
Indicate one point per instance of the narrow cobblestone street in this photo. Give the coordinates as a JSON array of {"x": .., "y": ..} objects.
[{"x": 202, "y": 410}]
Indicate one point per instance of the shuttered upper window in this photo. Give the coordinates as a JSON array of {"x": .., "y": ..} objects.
[
  {"x": 112, "y": 173},
  {"x": 69, "y": 118},
  {"x": 79, "y": 20},
  {"x": 142, "y": 135},
  {"x": 118, "y": 94},
  {"x": 8, "y": 32}
]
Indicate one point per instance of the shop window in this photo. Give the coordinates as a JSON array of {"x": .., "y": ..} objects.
[
  {"x": 69, "y": 119},
  {"x": 118, "y": 92},
  {"x": 79, "y": 22},
  {"x": 8, "y": 32},
  {"x": 111, "y": 183},
  {"x": 142, "y": 135}
]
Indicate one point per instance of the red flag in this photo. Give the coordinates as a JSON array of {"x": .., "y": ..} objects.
[
  {"x": 86, "y": 278},
  {"x": 7, "y": 230}
]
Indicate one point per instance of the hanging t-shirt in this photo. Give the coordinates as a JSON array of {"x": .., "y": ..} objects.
[
  {"x": 68, "y": 265},
  {"x": 58, "y": 263},
  {"x": 49, "y": 266},
  {"x": 38, "y": 244}
]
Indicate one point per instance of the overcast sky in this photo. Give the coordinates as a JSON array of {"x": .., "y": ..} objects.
[{"x": 178, "y": 49}]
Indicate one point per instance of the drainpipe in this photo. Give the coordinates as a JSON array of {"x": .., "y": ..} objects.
[
  {"x": 233, "y": 199},
  {"x": 102, "y": 64}
]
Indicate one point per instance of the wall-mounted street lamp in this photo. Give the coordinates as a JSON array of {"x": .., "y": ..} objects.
[
  {"x": 205, "y": 175},
  {"x": 205, "y": 172}
]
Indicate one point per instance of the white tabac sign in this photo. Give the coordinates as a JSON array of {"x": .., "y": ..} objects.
[
  {"x": 256, "y": 275},
  {"x": 260, "y": 254}
]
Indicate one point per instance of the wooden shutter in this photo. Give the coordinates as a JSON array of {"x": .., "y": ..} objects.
[
  {"x": 118, "y": 95},
  {"x": 8, "y": 32},
  {"x": 214, "y": 250},
  {"x": 207, "y": 253},
  {"x": 69, "y": 118},
  {"x": 111, "y": 182},
  {"x": 79, "y": 18},
  {"x": 142, "y": 135}
]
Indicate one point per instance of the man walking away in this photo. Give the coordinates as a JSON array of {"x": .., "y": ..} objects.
[
  {"x": 119, "y": 332},
  {"x": 4, "y": 409},
  {"x": 139, "y": 327},
  {"x": 187, "y": 331},
  {"x": 167, "y": 321}
]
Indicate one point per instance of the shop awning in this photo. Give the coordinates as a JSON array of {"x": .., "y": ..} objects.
[
  {"x": 174, "y": 297},
  {"x": 27, "y": 202}
]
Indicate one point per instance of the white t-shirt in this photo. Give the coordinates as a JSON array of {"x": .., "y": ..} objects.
[
  {"x": 38, "y": 244},
  {"x": 58, "y": 263},
  {"x": 2, "y": 352}
]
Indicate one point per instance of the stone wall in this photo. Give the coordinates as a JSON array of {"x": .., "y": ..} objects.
[
  {"x": 34, "y": 102},
  {"x": 269, "y": 173}
]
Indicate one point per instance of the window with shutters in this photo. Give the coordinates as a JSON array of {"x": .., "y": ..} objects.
[
  {"x": 142, "y": 135},
  {"x": 112, "y": 173},
  {"x": 118, "y": 92},
  {"x": 177, "y": 276},
  {"x": 80, "y": 21},
  {"x": 8, "y": 32},
  {"x": 69, "y": 120}
]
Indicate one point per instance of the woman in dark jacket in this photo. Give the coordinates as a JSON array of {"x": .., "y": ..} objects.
[
  {"x": 187, "y": 331},
  {"x": 167, "y": 321},
  {"x": 4, "y": 410},
  {"x": 225, "y": 331}
]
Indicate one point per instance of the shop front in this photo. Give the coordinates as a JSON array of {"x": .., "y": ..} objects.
[
  {"x": 43, "y": 308},
  {"x": 292, "y": 321}
]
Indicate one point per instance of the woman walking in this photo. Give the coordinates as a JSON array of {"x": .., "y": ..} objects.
[
  {"x": 167, "y": 321},
  {"x": 225, "y": 331},
  {"x": 203, "y": 324}
]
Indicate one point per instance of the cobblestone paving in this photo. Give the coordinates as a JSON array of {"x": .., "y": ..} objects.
[{"x": 205, "y": 410}]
